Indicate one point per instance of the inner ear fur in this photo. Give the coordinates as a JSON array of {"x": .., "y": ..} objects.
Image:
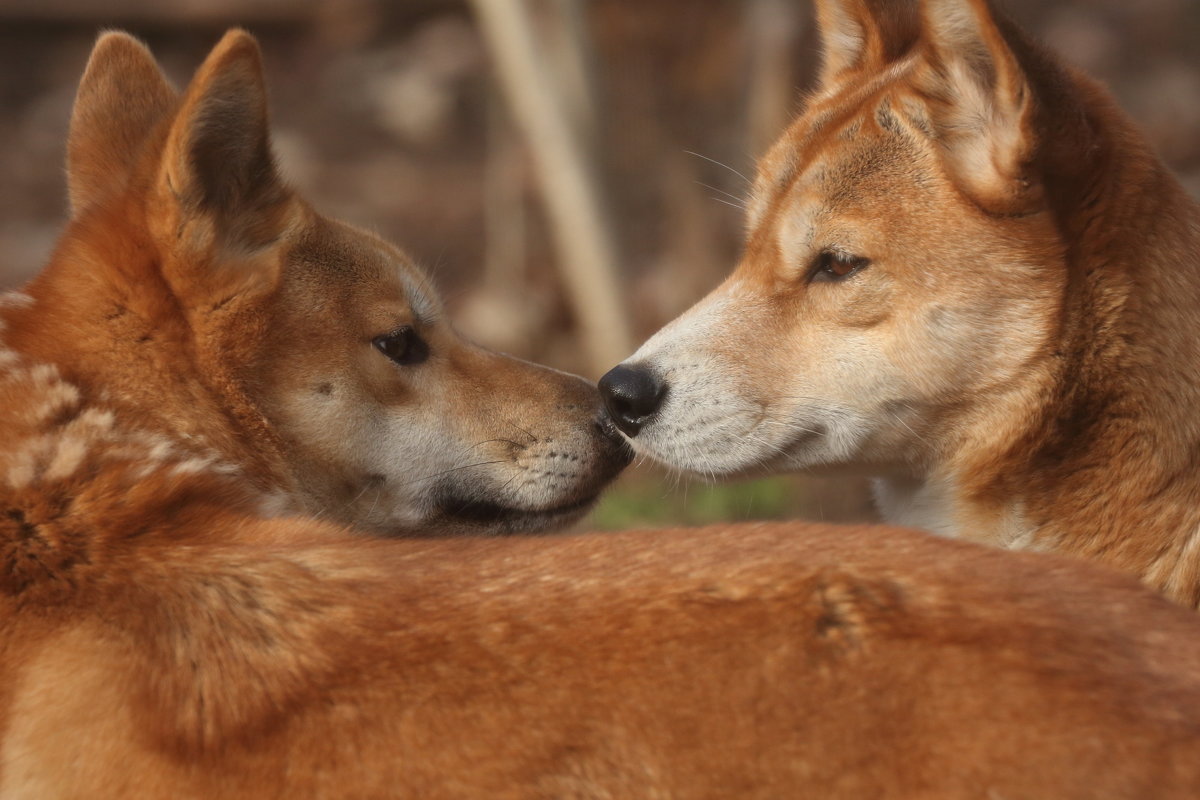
[
  {"x": 122, "y": 97},
  {"x": 980, "y": 102},
  {"x": 862, "y": 34},
  {"x": 217, "y": 166}
]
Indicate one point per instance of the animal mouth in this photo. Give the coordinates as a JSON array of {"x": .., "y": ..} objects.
[{"x": 508, "y": 519}]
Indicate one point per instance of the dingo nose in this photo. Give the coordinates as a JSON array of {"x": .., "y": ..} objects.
[{"x": 632, "y": 394}]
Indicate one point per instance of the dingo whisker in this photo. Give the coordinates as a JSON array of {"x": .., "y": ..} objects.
[
  {"x": 452, "y": 470},
  {"x": 740, "y": 202},
  {"x": 719, "y": 164}
]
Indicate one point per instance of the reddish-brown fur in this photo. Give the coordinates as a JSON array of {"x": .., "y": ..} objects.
[
  {"x": 1016, "y": 363},
  {"x": 189, "y": 259},
  {"x": 172, "y": 624}
]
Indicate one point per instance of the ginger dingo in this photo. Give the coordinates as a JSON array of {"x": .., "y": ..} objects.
[
  {"x": 310, "y": 356},
  {"x": 968, "y": 276},
  {"x": 209, "y": 380}
]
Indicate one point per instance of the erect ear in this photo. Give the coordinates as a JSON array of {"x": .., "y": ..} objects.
[
  {"x": 981, "y": 105},
  {"x": 217, "y": 167},
  {"x": 846, "y": 30},
  {"x": 859, "y": 34},
  {"x": 121, "y": 97}
]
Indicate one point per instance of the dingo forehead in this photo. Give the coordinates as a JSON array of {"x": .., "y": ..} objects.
[
  {"x": 366, "y": 271},
  {"x": 819, "y": 147},
  {"x": 845, "y": 174},
  {"x": 422, "y": 299}
]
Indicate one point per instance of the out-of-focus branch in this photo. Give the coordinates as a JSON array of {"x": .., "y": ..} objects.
[
  {"x": 504, "y": 203},
  {"x": 583, "y": 238},
  {"x": 156, "y": 11},
  {"x": 773, "y": 30},
  {"x": 570, "y": 52}
]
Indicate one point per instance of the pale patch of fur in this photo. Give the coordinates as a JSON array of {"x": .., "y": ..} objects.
[
  {"x": 844, "y": 38},
  {"x": 794, "y": 236},
  {"x": 193, "y": 466},
  {"x": 1015, "y": 531},
  {"x": 21, "y": 469},
  {"x": 978, "y": 135},
  {"x": 931, "y": 505},
  {"x": 46, "y": 394},
  {"x": 1175, "y": 569},
  {"x": 15, "y": 300},
  {"x": 424, "y": 307},
  {"x": 927, "y": 505},
  {"x": 68, "y": 455},
  {"x": 277, "y": 504},
  {"x": 42, "y": 450},
  {"x": 954, "y": 24}
]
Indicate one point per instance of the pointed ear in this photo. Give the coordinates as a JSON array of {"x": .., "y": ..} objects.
[
  {"x": 846, "y": 29},
  {"x": 981, "y": 103},
  {"x": 217, "y": 166},
  {"x": 121, "y": 97},
  {"x": 858, "y": 34}
]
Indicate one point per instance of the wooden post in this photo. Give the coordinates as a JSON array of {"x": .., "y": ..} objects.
[
  {"x": 773, "y": 28},
  {"x": 586, "y": 248},
  {"x": 504, "y": 225}
]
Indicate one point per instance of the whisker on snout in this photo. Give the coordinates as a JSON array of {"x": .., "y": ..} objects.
[
  {"x": 733, "y": 199},
  {"x": 719, "y": 164},
  {"x": 532, "y": 438},
  {"x": 738, "y": 206},
  {"x": 793, "y": 427},
  {"x": 493, "y": 441},
  {"x": 452, "y": 470}
]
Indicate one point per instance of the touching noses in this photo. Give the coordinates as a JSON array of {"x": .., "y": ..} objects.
[{"x": 632, "y": 394}]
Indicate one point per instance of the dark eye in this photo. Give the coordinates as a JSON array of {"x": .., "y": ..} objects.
[
  {"x": 832, "y": 266},
  {"x": 403, "y": 346}
]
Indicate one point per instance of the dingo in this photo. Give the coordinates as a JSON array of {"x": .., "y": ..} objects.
[
  {"x": 196, "y": 297},
  {"x": 966, "y": 275},
  {"x": 205, "y": 355}
]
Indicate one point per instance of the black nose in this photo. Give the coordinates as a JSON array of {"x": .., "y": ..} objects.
[{"x": 632, "y": 394}]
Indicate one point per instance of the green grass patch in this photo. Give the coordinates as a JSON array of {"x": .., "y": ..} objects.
[{"x": 645, "y": 498}]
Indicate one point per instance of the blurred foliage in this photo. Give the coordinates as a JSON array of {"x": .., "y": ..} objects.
[
  {"x": 655, "y": 502},
  {"x": 645, "y": 497}
]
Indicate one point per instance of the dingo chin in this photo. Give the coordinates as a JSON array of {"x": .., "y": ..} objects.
[
  {"x": 967, "y": 275},
  {"x": 211, "y": 392}
]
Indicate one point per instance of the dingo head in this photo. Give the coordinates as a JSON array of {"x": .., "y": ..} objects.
[
  {"x": 200, "y": 297},
  {"x": 901, "y": 269}
]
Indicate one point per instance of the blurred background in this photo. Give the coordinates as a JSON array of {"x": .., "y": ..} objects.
[{"x": 570, "y": 171}]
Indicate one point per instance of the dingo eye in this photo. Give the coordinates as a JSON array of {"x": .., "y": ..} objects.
[
  {"x": 831, "y": 266},
  {"x": 402, "y": 346}
]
